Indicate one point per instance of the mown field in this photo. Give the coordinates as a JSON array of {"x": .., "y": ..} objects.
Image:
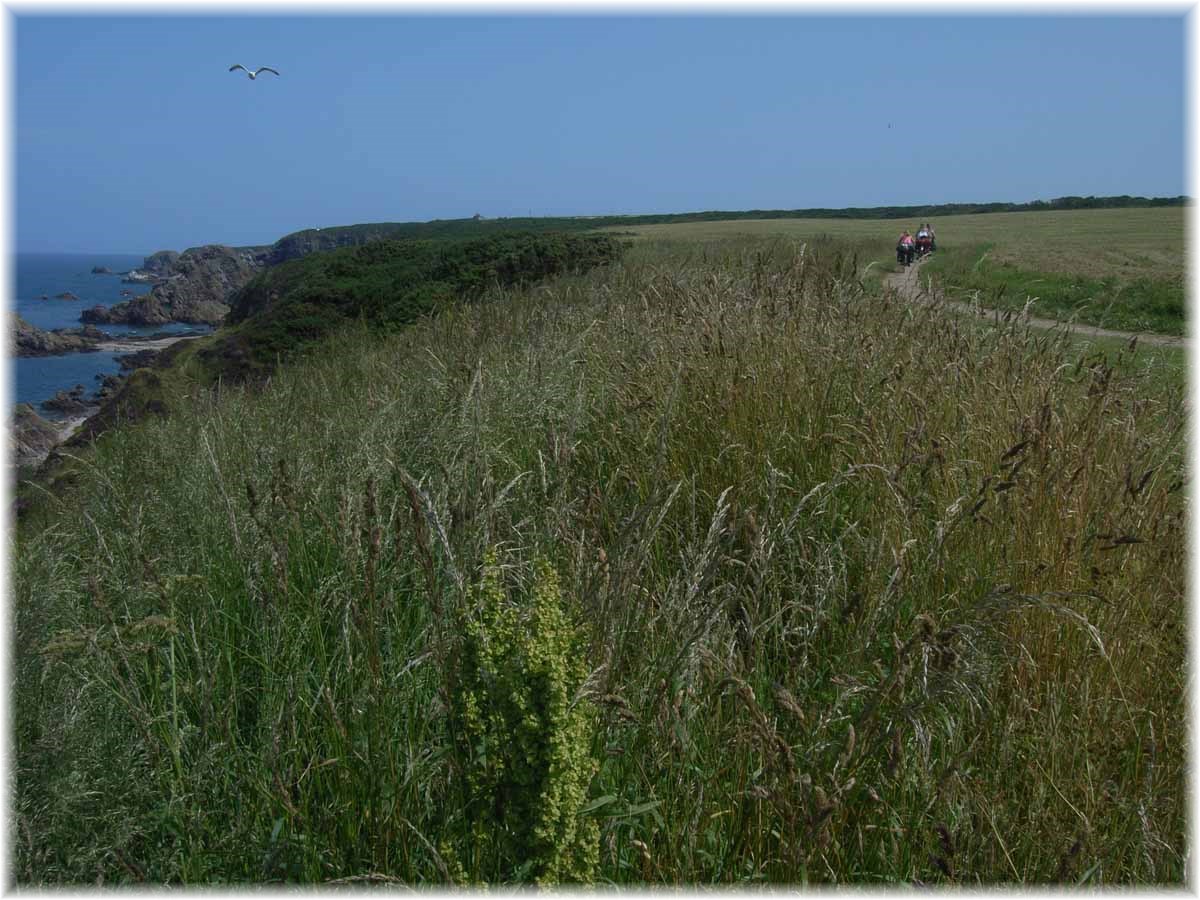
[
  {"x": 1117, "y": 268},
  {"x": 708, "y": 566}
]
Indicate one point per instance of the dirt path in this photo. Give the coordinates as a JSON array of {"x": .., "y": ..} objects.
[{"x": 909, "y": 285}]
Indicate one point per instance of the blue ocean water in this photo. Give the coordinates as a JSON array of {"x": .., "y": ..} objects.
[{"x": 34, "y": 379}]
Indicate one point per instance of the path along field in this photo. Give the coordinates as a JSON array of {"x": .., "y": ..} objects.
[
  {"x": 914, "y": 288},
  {"x": 1115, "y": 268},
  {"x": 1124, "y": 242}
]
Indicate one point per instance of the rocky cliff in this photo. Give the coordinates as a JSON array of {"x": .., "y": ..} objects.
[
  {"x": 197, "y": 284},
  {"x": 319, "y": 240},
  {"x": 160, "y": 263},
  {"x": 31, "y": 437},
  {"x": 29, "y": 340}
]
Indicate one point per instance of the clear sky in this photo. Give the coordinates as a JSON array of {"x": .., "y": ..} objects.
[{"x": 130, "y": 135}]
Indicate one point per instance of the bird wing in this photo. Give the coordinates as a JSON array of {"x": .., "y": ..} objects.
[
  {"x": 265, "y": 69},
  {"x": 236, "y": 66}
]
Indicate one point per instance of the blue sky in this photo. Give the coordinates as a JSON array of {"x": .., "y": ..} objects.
[{"x": 129, "y": 135}]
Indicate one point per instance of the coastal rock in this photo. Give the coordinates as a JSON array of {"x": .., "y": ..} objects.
[
  {"x": 101, "y": 270},
  {"x": 143, "y": 310},
  {"x": 70, "y": 402},
  {"x": 108, "y": 386},
  {"x": 160, "y": 263},
  {"x": 29, "y": 340},
  {"x": 97, "y": 315},
  {"x": 66, "y": 295},
  {"x": 194, "y": 287},
  {"x": 139, "y": 360},
  {"x": 31, "y": 437}
]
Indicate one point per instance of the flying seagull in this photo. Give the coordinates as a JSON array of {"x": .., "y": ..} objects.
[{"x": 253, "y": 74}]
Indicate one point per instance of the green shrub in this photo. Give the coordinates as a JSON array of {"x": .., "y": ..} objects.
[
  {"x": 389, "y": 284},
  {"x": 523, "y": 732}
]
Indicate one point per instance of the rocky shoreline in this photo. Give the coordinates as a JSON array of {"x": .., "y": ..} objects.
[
  {"x": 33, "y": 437},
  {"x": 191, "y": 287},
  {"x": 29, "y": 340}
]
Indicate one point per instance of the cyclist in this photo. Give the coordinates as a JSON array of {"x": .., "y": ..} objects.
[{"x": 924, "y": 240}]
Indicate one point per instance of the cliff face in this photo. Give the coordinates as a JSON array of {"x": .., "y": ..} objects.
[
  {"x": 198, "y": 283},
  {"x": 31, "y": 437},
  {"x": 319, "y": 240}
]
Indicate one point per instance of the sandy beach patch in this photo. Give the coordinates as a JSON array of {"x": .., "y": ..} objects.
[{"x": 133, "y": 346}]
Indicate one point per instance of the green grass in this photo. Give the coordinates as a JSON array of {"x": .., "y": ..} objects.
[
  {"x": 866, "y": 596},
  {"x": 1126, "y": 242},
  {"x": 1143, "y": 303},
  {"x": 1117, "y": 268}
]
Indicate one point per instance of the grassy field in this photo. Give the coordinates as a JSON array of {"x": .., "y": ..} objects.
[
  {"x": 705, "y": 568},
  {"x": 1118, "y": 268},
  {"x": 1124, "y": 242}
]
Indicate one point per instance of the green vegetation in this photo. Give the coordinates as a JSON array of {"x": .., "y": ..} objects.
[
  {"x": 437, "y": 230},
  {"x": 1128, "y": 243},
  {"x": 1117, "y": 268},
  {"x": 523, "y": 731},
  {"x": 1139, "y": 304},
  {"x": 840, "y": 591},
  {"x": 295, "y": 305},
  {"x": 464, "y": 228}
]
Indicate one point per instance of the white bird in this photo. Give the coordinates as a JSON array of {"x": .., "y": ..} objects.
[{"x": 253, "y": 74}]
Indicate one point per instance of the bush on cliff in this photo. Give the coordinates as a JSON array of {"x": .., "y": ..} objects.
[{"x": 387, "y": 283}]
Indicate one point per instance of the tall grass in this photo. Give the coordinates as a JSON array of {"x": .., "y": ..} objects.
[
  {"x": 1141, "y": 303},
  {"x": 1117, "y": 268},
  {"x": 863, "y": 595}
]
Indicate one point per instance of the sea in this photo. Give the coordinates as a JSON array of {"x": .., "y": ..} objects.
[{"x": 38, "y": 378}]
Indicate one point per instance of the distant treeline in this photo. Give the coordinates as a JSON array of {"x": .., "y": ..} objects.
[
  {"x": 475, "y": 227},
  {"x": 894, "y": 212}
]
